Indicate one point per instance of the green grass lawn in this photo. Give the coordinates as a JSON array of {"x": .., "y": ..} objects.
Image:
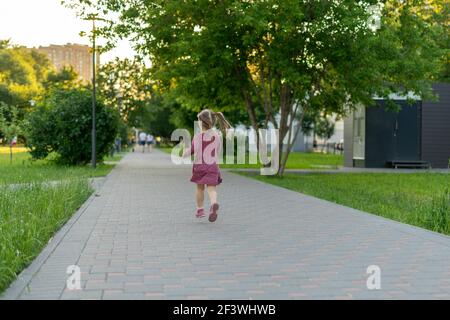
[
  {"x": 421, "y": 199},
  {"x": 30, "y": 214},
  {"x": 297, "y": 160},
  {"x": 23, "y": 169},
  {"x": 29, "y": 217}
]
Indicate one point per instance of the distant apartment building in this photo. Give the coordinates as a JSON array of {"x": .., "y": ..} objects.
[{"x": 76, "y": 55}]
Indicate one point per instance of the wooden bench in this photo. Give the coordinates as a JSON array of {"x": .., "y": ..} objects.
[{"x": 419, "y": 164}]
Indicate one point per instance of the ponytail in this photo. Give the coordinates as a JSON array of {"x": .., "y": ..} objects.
[
  {"x": 223, "y": 123},
  {"x": 209, "y": 118}
]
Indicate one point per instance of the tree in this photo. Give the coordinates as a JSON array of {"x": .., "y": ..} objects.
[
  {"x": 22, "y": 72},
  {"x": 435, "y": 13},
  {"x": 281, "y": 57},
  {"x": 125, "y": 84},
  {"x": 324, "y": 129},
  {"x": 62, "y": 122},
  {"x": 5, "y": 43},
  {"x": 155, "y": 116},
  {"x": 67, "y": 77},
  {"x": 9, "y": 129},
  {"x": 316, "y": 124},
  {"x": 162, "y": 114}
]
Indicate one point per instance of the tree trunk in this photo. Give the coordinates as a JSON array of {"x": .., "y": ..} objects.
[
  {"x": 285, "y": 156},
  {"x": 249, "y": 105},
  {"x": 267, "y": 94},
  {"x": 285, "y": 111}
]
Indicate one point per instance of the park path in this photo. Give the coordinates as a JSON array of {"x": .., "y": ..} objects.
[{"x": 138, "y": 239}]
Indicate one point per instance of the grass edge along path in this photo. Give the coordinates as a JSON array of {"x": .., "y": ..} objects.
[
  {"x": 297, "y": 160},
  {"x": 29, "y": 218},
  {"x": 35, "y": 202},
  {"x": 25, "y": 170},
  {"x": 419, "y": 199}
]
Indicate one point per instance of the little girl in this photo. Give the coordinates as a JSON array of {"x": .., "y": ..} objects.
[{"x": 205, "y": 172}]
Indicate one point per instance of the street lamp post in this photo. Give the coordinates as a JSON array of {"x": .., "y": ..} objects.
[
  {"x": 94, "y": 131},
  {"x": 93, "y": 18},
  {"x": 120, "y": 102}
]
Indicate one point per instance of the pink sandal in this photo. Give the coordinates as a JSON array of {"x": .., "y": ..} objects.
[
  {"x": 200, "y": 213},
  {"x": 213, "y": 212}
]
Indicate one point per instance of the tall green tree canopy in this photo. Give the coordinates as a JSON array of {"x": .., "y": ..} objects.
[
  {"x": 125, "y": 84},
  {"x": 66, "y": 77},
  {"x": 22, "y": 73},
  {"x": 282, "y": 57}
]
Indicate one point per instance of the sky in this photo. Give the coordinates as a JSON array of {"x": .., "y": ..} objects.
[{"x": 34, "y": 23}]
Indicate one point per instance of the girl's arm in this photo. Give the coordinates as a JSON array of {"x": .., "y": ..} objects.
[{"x": 187, "y": 152}]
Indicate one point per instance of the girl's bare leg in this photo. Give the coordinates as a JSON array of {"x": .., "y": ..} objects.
[
  {"x": 212, "y": 193},
  {"x": 200, "y": 195}
]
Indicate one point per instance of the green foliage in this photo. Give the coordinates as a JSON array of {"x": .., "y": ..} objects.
[
  {"x": 183, "y": 117},
  {"x": 430, "y": 19},
  {"x": 155, "y": 116},
  {"x": 2, "y": 120},
  {"x": 67, "y": 77},
  {"x": 124, "y": 132},
  {"x": 125, "y": 84},
  {"x": 62, "y": 124},
  {"x": 316, "y": 123},
  {"x": 10, "y": 124},
  {"x": 162, "y": 114},
  {"x": 4, "y": 44},
  {"x": 22, "y": 72},
  {"x": 324, "y": 128}
]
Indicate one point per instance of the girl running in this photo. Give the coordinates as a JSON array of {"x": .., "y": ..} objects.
[{"x": 205, "y": 147}]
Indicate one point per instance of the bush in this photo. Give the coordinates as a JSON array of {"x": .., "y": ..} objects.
[{"x": 62, "y": 123}]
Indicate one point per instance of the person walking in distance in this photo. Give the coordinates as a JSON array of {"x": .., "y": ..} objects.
[
  {"x": 150, "y": 142},
  {"x": 142, "y": 140}
]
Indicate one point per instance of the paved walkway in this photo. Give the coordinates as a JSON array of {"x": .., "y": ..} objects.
[{"x": 137, "y": 239}]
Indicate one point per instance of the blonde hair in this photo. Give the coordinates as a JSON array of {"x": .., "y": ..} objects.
[{"x": 209, "y": 118}]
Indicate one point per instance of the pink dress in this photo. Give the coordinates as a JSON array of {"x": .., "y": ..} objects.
[{"x": 205, "y": 147}]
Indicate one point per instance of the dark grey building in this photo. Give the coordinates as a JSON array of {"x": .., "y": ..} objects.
[{"x": 416, "y": 136}]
